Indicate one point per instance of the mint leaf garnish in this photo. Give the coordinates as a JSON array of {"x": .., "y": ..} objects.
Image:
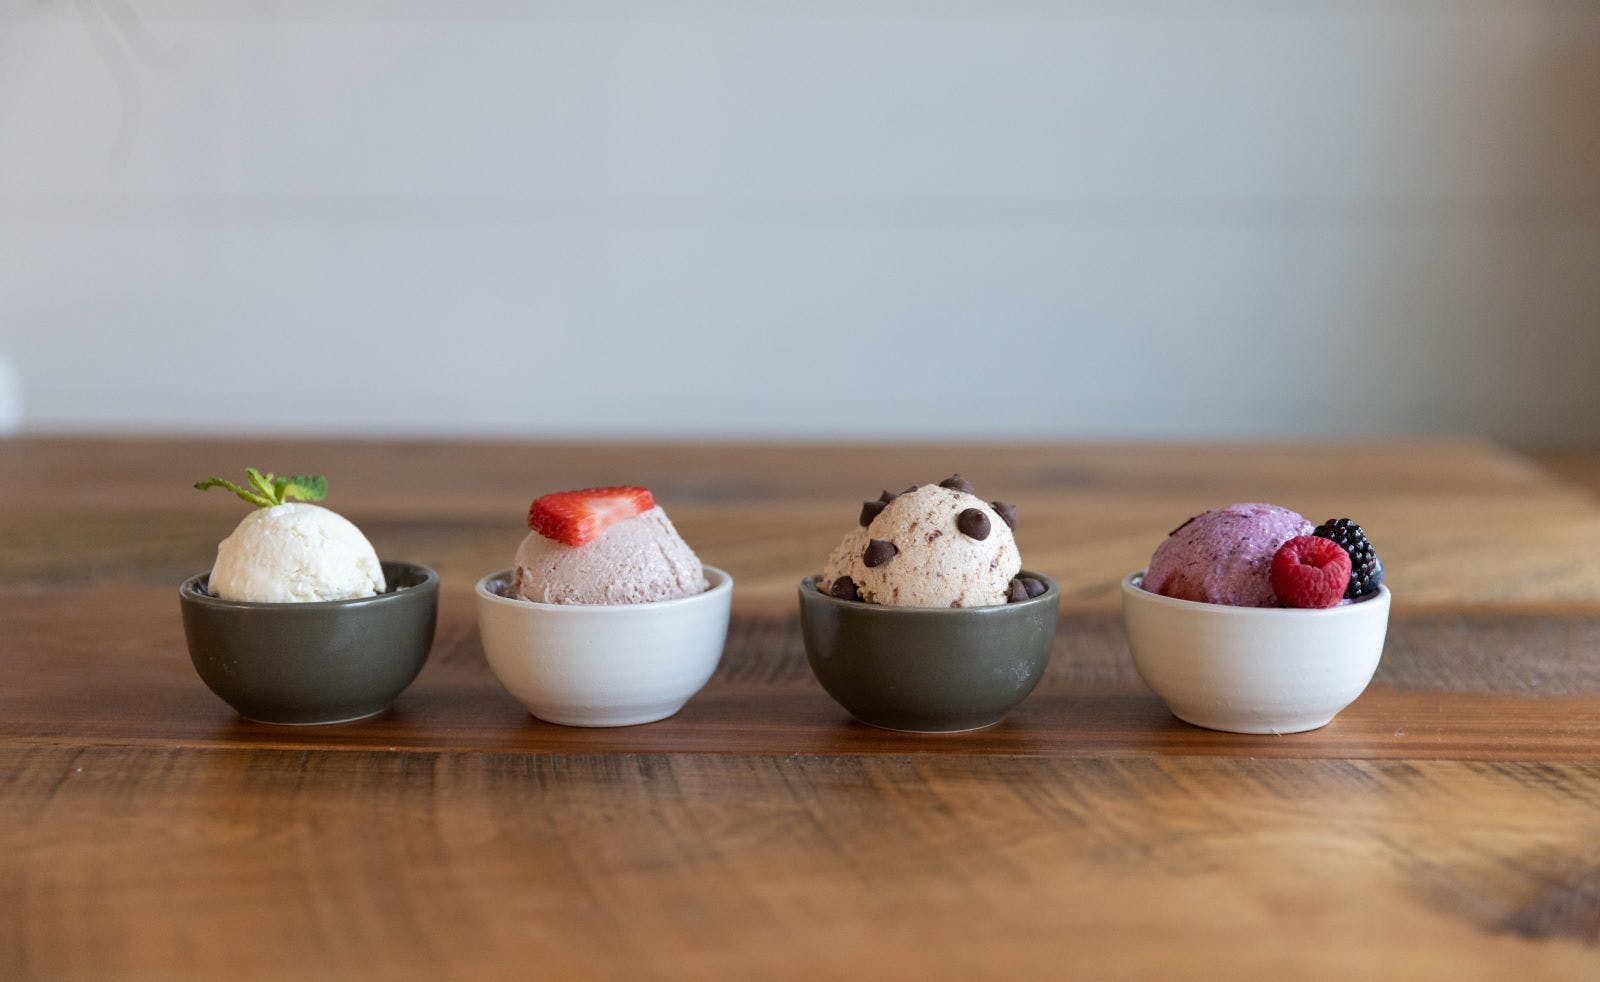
[
  {"x": 267, "y": 490},
  {"x": 249, "y": 496},
  {"x": 306, "y": 487},
  {"x": 261, "y": 483}
]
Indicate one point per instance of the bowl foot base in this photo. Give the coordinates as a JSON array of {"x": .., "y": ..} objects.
[
  {"x": 964, "y": 727},
  {"x": 601, "y": 720},
  {"x": 314, "y": 722},
  {"x": 1253, "y": 727}
]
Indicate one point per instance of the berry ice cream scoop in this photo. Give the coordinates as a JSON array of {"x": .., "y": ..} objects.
[
  {"x": 289, "y": 551},
  {"x": 1224, "y": 556},
  {"x": 1259, "y": 555}
]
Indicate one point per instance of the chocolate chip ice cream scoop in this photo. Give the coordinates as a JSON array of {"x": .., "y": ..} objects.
[{"x": 934, "y": 545}]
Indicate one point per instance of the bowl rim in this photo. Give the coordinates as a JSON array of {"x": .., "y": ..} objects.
[
  {"x": 721, "y": 583},
  {"x": 1133, "y": 587},
  {"x": 189, "y": 592},
  {"x": 1052, "y": 591}
]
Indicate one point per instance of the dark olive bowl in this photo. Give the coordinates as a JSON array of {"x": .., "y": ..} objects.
[
  {"x": 303, "y": 663},
  {"x": 928, "y": 669}
]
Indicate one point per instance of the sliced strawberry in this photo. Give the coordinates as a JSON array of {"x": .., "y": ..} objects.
[
  {"x": 1306, "y": 573},
  {"x": 575, "y": 517}
]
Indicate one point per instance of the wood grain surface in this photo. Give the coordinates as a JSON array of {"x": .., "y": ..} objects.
[
  {"x": 152, "y": 862},
  {"x": 1446, "y": 825}
]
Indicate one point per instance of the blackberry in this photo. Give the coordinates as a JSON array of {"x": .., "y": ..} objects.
[{"x": 1366, "y": 569}]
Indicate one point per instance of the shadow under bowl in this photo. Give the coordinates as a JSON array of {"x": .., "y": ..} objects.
[
  {"x": 603, "y": 664},
  {"x": 310, "y": 663},
  {"x": 1253, "y": 669},
  {"x": 928, "y": 669}
]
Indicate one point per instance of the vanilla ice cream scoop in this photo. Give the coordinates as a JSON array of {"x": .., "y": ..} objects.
[
  {"x": 289, "y": 552},
  {"x": 930, "y": 546},
  {"x": 295, "y": 553}
]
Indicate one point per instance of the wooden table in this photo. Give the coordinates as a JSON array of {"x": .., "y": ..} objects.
[{"x": 1446, "y": 825}]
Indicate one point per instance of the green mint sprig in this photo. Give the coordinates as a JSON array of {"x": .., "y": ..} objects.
[{"x": 267, "y": 490}]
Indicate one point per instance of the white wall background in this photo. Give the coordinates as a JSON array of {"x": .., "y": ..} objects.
[{"x": 936, "y": 219}]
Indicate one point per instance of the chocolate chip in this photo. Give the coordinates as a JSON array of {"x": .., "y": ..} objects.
[
  {"x": 1017, "y": 593},
  {"x": 844, "y": 588},
  {"x": 910, "y": 489},
  {"x": 973, "y": 523},
  {"x": 1007, "y": 513},
  {"x": 871, "y": 510},
  {"x": 956, "y": 482},
  {"x": 887, "y": 497},
  {"x": 1034, "y": 587},
  {"x": 878, "y": 552}
]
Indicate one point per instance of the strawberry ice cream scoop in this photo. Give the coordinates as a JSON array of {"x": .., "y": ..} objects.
[
  {"x": 641, "y": 559},
  {"x": 1224, "y": 556}
]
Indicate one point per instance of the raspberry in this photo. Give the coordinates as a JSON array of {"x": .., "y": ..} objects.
[
  {"x": 1309, "y": 571},
  {"x": 1366, "y": 569}
]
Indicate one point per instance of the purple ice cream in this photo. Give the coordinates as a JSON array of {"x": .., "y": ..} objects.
[{"x": 1224, "y": 556}]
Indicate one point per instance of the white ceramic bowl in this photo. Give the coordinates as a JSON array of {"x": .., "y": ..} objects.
[
  {"x": 1253, "y": 669},
  {"x": 604, "y": 665}
]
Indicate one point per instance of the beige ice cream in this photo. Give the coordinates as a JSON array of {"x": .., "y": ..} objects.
[
  {"x": 295, "y": 553},
  {"x": 924, "y": 549},
  {"x": 638, "y": 560}
]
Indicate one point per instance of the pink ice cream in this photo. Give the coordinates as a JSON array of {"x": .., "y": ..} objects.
[
  {"x": 637, "y": 560},
  {"x": 1224, "y": 556}
]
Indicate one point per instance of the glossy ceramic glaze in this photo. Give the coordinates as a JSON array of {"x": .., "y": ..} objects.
[
  {"x": 603, "y": 664},
  {"x": 1249, "y": 669},
  {"x": 928, "y": 669},
  {"x": 302, "y": 663}
]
